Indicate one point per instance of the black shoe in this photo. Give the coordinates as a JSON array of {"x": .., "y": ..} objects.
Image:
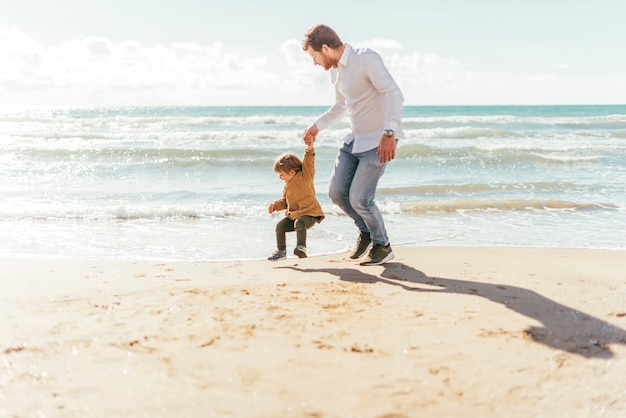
[
  {"x": 300, "y": 251},
  {"x": 278, "y": 255},
  {"x": 362, "y": 243},
  {"x": 379, "y": 254}
]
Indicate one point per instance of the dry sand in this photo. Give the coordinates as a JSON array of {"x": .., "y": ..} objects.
[{"x": 437, "y": 332}]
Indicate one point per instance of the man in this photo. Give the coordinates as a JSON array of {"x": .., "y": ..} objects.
[{"x": 366, "y": 91}]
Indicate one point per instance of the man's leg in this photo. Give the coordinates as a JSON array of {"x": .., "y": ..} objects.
[
  {"x": 363, "y": 192},
  {"x": 346, "y": 165}
]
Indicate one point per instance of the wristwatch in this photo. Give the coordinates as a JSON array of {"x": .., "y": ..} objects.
[{"x": 388, "y": 132}]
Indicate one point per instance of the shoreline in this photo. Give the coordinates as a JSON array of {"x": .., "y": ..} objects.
[
  {"x": 437, "y": 331},
  {"x": 290, "y": 256}
]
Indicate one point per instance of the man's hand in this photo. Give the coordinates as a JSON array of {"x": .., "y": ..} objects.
[
  {"x": 270, "y": 208},
  {"x": 310, "y": 134},
  {"x": 387, "y": 148}
]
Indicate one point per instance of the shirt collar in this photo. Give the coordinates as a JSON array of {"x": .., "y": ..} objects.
[{"x": 343, "y": 60}]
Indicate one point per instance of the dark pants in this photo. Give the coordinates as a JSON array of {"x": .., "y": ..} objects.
[{"x": 287, "y": 224}]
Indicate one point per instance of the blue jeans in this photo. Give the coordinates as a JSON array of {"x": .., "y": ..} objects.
[{"x": 353, "y": 188}]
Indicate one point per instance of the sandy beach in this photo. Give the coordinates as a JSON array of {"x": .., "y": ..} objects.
[{"x": 437, "y": 332}]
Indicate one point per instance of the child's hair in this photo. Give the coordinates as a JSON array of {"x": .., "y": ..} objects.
[{"x": 287, "y": 162}]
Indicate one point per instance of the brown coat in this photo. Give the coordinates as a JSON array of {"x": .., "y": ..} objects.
[{"x": 299, "y": 193}]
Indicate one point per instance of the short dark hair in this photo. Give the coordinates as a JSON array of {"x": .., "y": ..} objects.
[
  {"x": 320, "y": 35},
  {"x": 286, "y": 162}
]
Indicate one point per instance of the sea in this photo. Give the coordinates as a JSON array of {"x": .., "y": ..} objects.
[{"x": 194, "y": 183}]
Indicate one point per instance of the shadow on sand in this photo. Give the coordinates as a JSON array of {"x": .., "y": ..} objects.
[{"x": 563, "y": 328}]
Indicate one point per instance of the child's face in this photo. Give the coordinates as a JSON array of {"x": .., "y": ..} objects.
[{"x": 286, "y": 177}]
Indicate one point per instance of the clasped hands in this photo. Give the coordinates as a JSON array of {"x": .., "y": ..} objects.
[{"x": 386, "y": 147}]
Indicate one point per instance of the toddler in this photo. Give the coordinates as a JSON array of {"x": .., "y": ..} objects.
[{"x": 299, "y": 200}]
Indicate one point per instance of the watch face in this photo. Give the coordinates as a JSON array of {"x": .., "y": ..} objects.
[{"x": 389, "y": 132}]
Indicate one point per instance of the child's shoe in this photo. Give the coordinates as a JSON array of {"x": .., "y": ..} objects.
[
  {"x": 278, "y": 255},
  {"x": 300, "y": 251}
]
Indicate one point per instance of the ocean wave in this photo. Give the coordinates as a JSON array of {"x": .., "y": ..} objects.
[
  {"x": 167, "y": 156},
  {"x": 419, "y": 150},
  {"x": 464, "y": 132},
  {"x": 471, "y": 205},
  {"x": 572, "y": 116},
  {"x": 148, "y": 122},
  {"x": 256, "y": 210},
  {"x": 537, "y": 156},
  {"x": 95, "y": 158},
  {"x": 498, "y": 154},
  {"x": 129, "y": 212},
  {"x": 574, "y": 121},
  {"x": 565, "y": 159},
  {"x": 440, "y": 189}
]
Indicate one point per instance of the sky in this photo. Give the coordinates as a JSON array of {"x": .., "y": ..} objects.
[{"x": 247, "y": 53}]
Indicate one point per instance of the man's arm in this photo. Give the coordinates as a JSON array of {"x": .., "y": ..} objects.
[
  {"x": 392, "y": 103},
  {"x": 337, "y": 111},
  {"x": 390, "y": 93}
]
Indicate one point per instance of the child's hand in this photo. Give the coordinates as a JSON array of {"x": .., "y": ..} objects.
[
  {"x": 270, "y": 208},
  {"x": 310, "y": 134}
]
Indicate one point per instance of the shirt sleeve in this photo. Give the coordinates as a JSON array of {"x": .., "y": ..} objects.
[
  {"x": 308, "y": 164},
  {"x": 280, "y": 204},
  {"x": 373, "y": 66}
]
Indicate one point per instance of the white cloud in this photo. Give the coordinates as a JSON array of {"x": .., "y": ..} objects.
[
  {"x": 380, "y": 44},
  {"x": 293, "y": 54},
  {"x": 560, "y": 67},
  {"x": 18, "y": 53},
  {"x": 97, "y": 66},
  {"x": 94, "y": 62},
  {"x": 97, "y": 71},
  {"x": 418, "y": 63}
]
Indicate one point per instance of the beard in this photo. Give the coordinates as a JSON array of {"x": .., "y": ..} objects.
[{"x": 329, "y": 63}]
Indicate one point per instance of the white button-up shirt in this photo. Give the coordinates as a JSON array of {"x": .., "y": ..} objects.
[{"x": 365, "y": 89}]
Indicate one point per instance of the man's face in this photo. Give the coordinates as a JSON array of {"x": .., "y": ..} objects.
[{"x": 322, "y": 57}]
